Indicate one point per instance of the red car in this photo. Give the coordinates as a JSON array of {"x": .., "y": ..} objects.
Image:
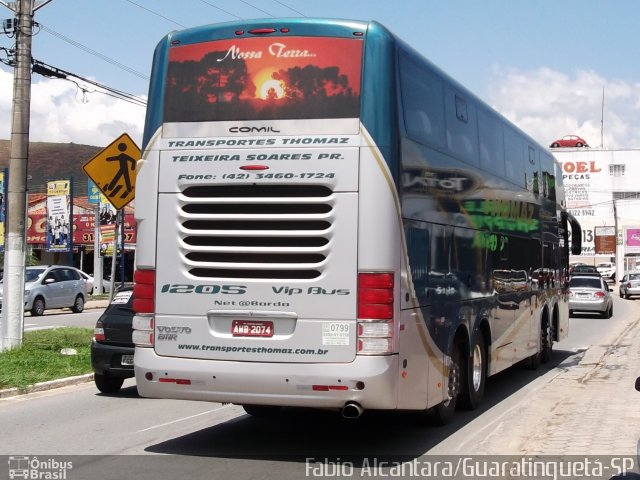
[{"x": 569, "y": 141}]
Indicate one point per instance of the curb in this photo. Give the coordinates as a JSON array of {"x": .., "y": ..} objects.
[
  {"x": 43, "y": 386},
  {"x": 96, "y": 304}
]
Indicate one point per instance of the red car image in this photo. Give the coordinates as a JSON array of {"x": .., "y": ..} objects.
[{"x": 569, "y": 141}]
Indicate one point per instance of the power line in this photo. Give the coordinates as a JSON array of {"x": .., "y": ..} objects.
[
  {"x": 259, "y": 9},
  {"x": 156, "y": 13},
  {"x": 55, "y": 72},
  {"x": 93, "y": 52},
  {"x": 292, "y": 9},
  {"x": 221, "y": 9}
]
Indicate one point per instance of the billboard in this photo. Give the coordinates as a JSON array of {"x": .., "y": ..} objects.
[
  {"x": 599, "y": 186},
  {"x": 632, "y": 239},
  {"x": 3, "y": 206},
  {"x": 59, "y": 201}
]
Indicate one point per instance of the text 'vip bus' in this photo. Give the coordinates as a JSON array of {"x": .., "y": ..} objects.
[{"x": 325, "y": 219}]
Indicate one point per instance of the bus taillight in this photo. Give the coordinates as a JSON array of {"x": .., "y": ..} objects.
[
  {"x": 144, "y": 307},
  {"x": 375, "y": 313},
  {"x": 144, "y": 283}
]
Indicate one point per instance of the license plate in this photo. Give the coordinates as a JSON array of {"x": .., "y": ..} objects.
[
  {"x": 126, "y": 360},
  {"x": 251, "y": 328}
]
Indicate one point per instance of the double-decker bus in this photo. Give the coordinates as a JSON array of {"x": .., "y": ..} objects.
[{"x": 326, "y": 219}]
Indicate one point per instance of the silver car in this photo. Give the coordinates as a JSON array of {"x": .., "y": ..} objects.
[
  {"x": 52, "y": 286},
  {"x": 630, "y": 285},
  {"x": 590, "y": 293}
]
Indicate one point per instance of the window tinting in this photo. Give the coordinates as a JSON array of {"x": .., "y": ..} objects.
[
  {"x": 462, "y": 136},
  {"x": 513, "y": 156},
  {"x": 423, "y": 105},
  {"x": 548, "y": 176},
  {"x": 491, "y": 143}
]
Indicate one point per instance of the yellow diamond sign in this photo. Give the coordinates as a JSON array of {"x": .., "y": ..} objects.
[{"x": 113, "y": 170}]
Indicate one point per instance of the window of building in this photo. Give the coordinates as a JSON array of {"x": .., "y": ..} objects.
[{"x": 617, "y": 170}]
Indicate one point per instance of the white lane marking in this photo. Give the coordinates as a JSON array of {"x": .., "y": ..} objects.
[{"x": 183, "y": 419}]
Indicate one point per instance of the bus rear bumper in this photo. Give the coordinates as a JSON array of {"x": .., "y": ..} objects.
[{"x": 369, "y": 381}]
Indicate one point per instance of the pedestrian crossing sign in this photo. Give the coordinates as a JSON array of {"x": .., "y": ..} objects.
[{"x": 113, "y": 170}]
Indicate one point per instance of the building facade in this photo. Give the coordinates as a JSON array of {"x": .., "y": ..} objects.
[{"x": 602, "y": 190}]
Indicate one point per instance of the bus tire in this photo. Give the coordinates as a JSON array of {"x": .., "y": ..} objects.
[
  {"x": 534, "y": 361},
  {"x": 475, "y": 374},
  {"x": 443, "y": 413},
  {"x": 262, "y": 411},
  {"x": 546, "y": 340}
]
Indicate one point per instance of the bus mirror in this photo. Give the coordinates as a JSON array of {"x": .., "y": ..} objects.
[
  {"x": 576, "y": 234},
  {"x": 576, "y": 240}
]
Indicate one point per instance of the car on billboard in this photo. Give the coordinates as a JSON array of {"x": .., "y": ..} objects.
[{"x": 569, "y": 141}]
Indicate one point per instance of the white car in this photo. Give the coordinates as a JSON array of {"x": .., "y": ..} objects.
[
  {"x": 89, "y": 281},
  {"x": 607, "y": 270}
]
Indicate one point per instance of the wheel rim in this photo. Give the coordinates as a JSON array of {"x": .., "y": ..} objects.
[
  {"x": 39, "y": 307},
  {"x": 476, "y": 374},
  {"x": 452, "y": 389},
  {"x": 544, "y": 337}
]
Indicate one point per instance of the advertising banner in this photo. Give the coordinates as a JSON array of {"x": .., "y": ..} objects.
[
  {"x": 83, "y": 229},
  {"x": 93, "y": 192},
  {"x": 3, "y": 205},
  {"x": 632, "y": 239},
  {"x": 605, "y": 240},
  {"x": 107, "y": 226},
  {"x": 601, "y": 190},
  {"x": 59, "y": 203}
]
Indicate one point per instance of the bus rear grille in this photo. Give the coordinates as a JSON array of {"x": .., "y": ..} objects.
[{"x": 256, "y": 231}]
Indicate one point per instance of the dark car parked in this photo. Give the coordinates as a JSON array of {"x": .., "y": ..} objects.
[{"x": 112, "y": 347}]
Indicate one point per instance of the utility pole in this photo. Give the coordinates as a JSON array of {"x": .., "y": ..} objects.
[
  {"x": 12, "y": 324},
  {"x": 619, "y": 255}
]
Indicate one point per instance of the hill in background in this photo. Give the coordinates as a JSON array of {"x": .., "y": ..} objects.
[{"x": 54, "y": 161}]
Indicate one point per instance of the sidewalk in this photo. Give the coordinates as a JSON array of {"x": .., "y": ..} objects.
[
  {"x": 96, "y": 303},
  {"x": 588, "y": 405}
]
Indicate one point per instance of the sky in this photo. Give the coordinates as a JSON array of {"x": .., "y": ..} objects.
[{"x": 553, "y": 68}]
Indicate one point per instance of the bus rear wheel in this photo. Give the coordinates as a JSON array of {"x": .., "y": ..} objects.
[
  {"x": 443, "y": 413},
  {"x": 475, "y": 374},
  {"x": 546, "y": 340}
]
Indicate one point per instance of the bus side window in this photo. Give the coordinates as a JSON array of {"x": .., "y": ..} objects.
[
  {"x": 418, "y": 246},
  {"x": 531, "y": 171},
  {"x": 514, "y": 164},
  {"x": 422, "y": 101},
  {"x": 491, "y": 143},
  {"x": 548, "y": 176},
  {"x": 462, "y": 137}
]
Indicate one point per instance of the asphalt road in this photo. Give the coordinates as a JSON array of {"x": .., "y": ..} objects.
[{"x": 62, "y": 318}]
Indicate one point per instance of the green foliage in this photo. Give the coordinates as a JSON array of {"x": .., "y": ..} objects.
[
  {"x": 29, "y": 261},
  {"x": 39, "y": 358}
]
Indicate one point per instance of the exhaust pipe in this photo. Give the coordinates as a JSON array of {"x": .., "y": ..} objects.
[{"x": 352, "y": 410}]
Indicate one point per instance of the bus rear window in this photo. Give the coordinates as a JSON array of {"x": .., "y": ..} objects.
[{"x": 274, "y": 78}]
